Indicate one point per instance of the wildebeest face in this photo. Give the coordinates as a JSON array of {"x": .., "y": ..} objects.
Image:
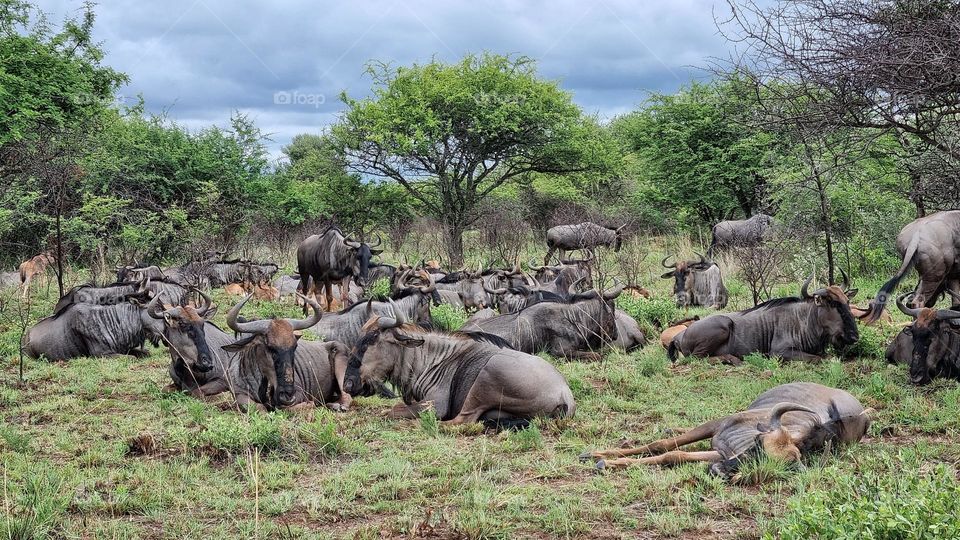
[
  {"x": 373, "y": 359},
  {"x": 189, "y": 340},
  {"x": 684, "y": 277},
  {"x": 929, "y": 346},
  {"x": 835, "y": 316}
]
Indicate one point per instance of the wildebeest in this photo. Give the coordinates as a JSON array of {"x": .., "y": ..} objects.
[
  {"x": 674, "y": 329},
  {"x": 578, "y": 329},
  {"x": 32, "y": 268},
  {"x": 116, "y": 293},
  {"x": 469, "y": 286},
  {"x": 331, "y": 256},
  {"x": 412, "y": 301},
  {"x": 697, "y": 283},
  {"x": 792, "y": 328},
  {"x": 273, "y": 371},
  {"x": 138, "y": 272},
  {"x": 740, "y": 232},
  {"x": 287, "y": 285},
  {"x": 586, "y": 236},
  {"x": 930, "y": 345},
  {"x": 787, "y": 422},
  {"x": 9, "y": 279},
  {"x": 465, "y": 377},
  {"x": 932, "y": 245},
  {"x": 513, "y": 299},
  {"x": 79, "y": 329},
  {"x": 629, "y": 334},
  {"x": 234, "y": 289}
]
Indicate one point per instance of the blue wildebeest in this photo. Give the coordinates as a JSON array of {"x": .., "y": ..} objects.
[
  {"x": 740, "y": 232},
  {"x": 697, "y": 283},
  {"x": 465, "y": 377},
  {"x": 80, "y": 329},
  {"x": 578, "y": 329},
  {"x": 932, "y": 245},
  {"x": 587, "y": 236},
  {"x": 792, "y": 328},
  {"x": 116, "y": 293},
  {"x": 274, "y": 370},
  {"x": 331, "y": 256},
  {"x": 930, "y": 346},
  {"x": 469, "y": 286},
  {"x": 412, "y": 301},
  {"x": 787, "y": 422},
  {"x": 138, "y": 272}
]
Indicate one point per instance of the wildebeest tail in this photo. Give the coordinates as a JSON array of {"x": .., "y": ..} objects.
[
  {"x": 883, "y": 296},
  {"x": 673, "y": 349}
]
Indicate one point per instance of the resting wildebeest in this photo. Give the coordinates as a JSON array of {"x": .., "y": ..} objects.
[
  {"x": 787, "y": 422},
  {"x": 586, "y": 235},
  {"x": 930, "y": 345},
  {"x": 79, "y": 329},
  {"x": 697, "y": 283},
  {"x": 932, "y": 245},
  {"x": 674, "y": 329},
  {"x": 740, "y": 232},
  {"x": 331, "y": 256},
  {"x": 138, "y": 272},
  {"x": 273, "y": 371},
  {"x": 465, "y": 377},
  {"x": 413, "y": 302},
  {"x": 469, "y": 286},
  {"x": 578, "y": 329},
  {"x": 792, "y": 328},
  {"x": 116, "y": 293},
  {"x": 629, "y": 334}
]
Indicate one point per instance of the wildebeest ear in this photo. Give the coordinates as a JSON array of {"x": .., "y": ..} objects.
[
  {"x": 409, "y": 342},
  {"x": 669, "y": 274},
  {"x": 376, "y": 251},
  {"x": 851, "y": 293},
  {"x": 763, "y": 428},
  {"x": 238, "y": 345}
]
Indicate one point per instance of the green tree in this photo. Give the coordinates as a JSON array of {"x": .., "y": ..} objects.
[{"x": 450, "y": 134}]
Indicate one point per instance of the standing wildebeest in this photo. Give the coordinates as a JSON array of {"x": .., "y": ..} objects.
[
  {"x": 578, "y": 329},
  {"x": 586, "y": 236},
  {"x": 787, "y": 422},
  {"x": 792, "y": 328},
  {"x": 412, "y": 301},
  {"x": 932, "y": 245},
  {"x": 740, "y": 232},
  {"x": 465, "y": 377},
  {"x": 32, "y": 268},
  {"x": 331, "y": 256},
  {"x": 80, "y": 329},
  {"x": 697, "y": 283},
  {"x": 930, "y": 345},
  {"x": 273, "y": 371}
]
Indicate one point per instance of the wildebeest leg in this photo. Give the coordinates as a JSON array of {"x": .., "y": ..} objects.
[
  {"x": 699, "y": 433},
  {"x": 402, "y": 410},
  {"x": 926, "y": 293},
  {"x": 328, "y": 294},
  {"x": 210, "y": 389},
  {"x": 304, "y": 408},
  {"x": 345, "y": 291},
  {"x": 339, "y": 372},
  {"x": 795, "y": 354},
  {"x": 244, "y": 402},
  {"x": 675, "y": 457},
  {"x": 586, "y": 356},
  {"x": 728, "y": 359}
]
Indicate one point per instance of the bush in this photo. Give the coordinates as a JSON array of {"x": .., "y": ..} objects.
[
  {"x": 872, "y": 344},
  {"x": 894, "y": 503},
  {"x": 447, "y": 317},
  {"x": 380, "y": 289},
  {"x": 654, "y": 312}
]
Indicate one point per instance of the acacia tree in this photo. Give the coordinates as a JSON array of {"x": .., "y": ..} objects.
[{"x": 451, "y": 134}]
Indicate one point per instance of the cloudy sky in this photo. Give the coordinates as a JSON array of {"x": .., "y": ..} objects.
[{"x": 286, "y": 62}]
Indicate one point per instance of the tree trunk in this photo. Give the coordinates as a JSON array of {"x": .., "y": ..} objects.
[
  {"x": 453, "y": 238},
  {"x": 59, "y": 250}
]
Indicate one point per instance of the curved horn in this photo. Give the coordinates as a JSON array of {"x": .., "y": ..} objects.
[
  {"x": 947, "y": 314},
  {"x": 780, "y": 409},
  {"x": 350, "y": 243},
  {"x": 397, "y": 313},
  {"x": 379, "y": 241},
  {"x": 846, "y": 280},
  {"x": 533, "y": 266},
  {"x": 703, "y": 260},
  {"x": 152, "y": 307},
  {"x": 301, "y": 324},
  {"x": 249, "y": 327},
  {"x": 207, "y": 303},
  {"x": 665, "y": 265},
  {"x": 913, "y": 312},
  {"x": 402, "y": 280},
  {"x": 572, "y": 289},
  {"x": 806, "y": 285},
  {"x": 613, "y": 292},
  {"x": 431, "y": 284},
  {"x": 369, "y": 309},
  {"x": 494, "y": 292}
]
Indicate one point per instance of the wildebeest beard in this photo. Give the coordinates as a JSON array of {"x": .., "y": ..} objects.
[{"x": 356, "y": 360}]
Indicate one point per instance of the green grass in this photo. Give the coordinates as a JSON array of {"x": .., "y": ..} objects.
[{"x": 93, "y": 448}]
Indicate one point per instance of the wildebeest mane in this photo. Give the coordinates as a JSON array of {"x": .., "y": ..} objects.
[
  {"x": 483, "y": 337},
  {"x": 776, "y": 302}
]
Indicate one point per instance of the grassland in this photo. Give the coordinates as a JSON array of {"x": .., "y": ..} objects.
[{"x": 93, "y": 448}]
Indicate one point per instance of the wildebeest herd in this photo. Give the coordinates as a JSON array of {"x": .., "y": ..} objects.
[{"x": 488, "y": 370}]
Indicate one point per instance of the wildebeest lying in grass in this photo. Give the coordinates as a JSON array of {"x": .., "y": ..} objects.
[
  {"x": 792, "y": 328},
  {"x": 787, "y": 422},
  {"x": 80, "y": 329},
  {"x": 466, "y": 377},
  {"x": 116, "y": 293},
  {"x": 579, "y": 329},
  {"x": 930, "y": 345},
  {"x": 674, "y": 329},
  {"x": 629, "y": 334}
]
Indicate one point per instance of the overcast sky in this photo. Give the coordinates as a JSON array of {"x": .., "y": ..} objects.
[{"x": 285, "y": 62}]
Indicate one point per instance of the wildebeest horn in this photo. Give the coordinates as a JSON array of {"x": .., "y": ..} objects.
[
  {"x": 533, "y": 266},
  {"x": 622, "y": 227},
  {"x": 806, "y": 285},
  {"x": 302, "y": 324},
  {"x": 207, "y": 302},
  {"x": 665, "y": 265},
  {"x": 572, "y": 289},
  {"x": 402, "y": 280},
  {"x": 614, "y": 291},
  {"x": 947, "y": 314},
  {"x": 351, "y": 243},
  {"x": 528, "y": 279},
  {"x": 369, "y": 308},
  {"x": 431, "y": 284},
  {"x": 379, "y": 241},
  {"x": 152, "y": 307},
  {"x": 913, "y": 312},
  {"x": 248, "y": 327},
  {"x": 846, "y": 281},
  {"x": 391, "y": 322},
  {"x": 703, "y": 260},
  {"x": 780, "y": 409},
  {"x": 494, "y": 292}
]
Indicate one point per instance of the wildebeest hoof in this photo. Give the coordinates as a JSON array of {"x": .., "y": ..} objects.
[
  {"x": 338, "y": 407},
  {"x": 586, "y": 456},
  {"x": 601, "y": 465}
]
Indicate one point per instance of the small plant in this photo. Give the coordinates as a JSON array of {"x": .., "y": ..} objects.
[
  {"x": 14, "y": 439},
  {"x": 322, "y": 434},
  {"x": 235, "y": 433},
  {"x": 35, "y": 513},
  {"x": 761, "y": 361},
  {"x": 654, "y": 312},
  {"x": 447, "y": 317},
  {"x": 379, "y": 289},
  {"x": 429, "y": 423},
  {"x": 524, "y": 440}
]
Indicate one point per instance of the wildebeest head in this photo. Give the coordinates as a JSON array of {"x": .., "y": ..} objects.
[
  {"x": 372, "y": 360},
  {"x": 272, "y": 344},
  {"x": 364, "y": 253},
  {"x": 606, "y": 315},
  {"x": 771, "y": 438},
  {"x": 184, "y": 330},
  {"x": 931, "y": 341},
  {"x": 833, "y": 312},
  {"x": 427, "y": 289},
  {"x": 618, "y": 242},
  {"x": 683, "y": 275}
]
